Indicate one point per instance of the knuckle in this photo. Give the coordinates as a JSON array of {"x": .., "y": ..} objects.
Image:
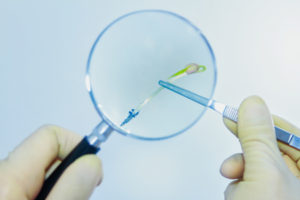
[{"x": 48, "y": 128}]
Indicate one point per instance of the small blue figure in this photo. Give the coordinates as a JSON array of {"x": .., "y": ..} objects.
[{"x": 132, "y": 114}]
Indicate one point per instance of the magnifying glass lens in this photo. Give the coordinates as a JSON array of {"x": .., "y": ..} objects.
[{"x": 129, "y": 58}]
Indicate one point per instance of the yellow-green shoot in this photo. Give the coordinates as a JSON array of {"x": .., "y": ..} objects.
[{"x": 189, "y": 69}]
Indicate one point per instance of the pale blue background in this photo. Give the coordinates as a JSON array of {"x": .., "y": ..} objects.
[{"x": 44, "y": 48}]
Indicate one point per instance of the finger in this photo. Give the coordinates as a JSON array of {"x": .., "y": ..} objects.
[
  {"x": 79, "y": 179},
  {"x": 230, "y": 190},
  {"x": 291, "y": 152},
  {"x": 233, "y": 167},
  {"x": 231, "y": 125},
  {"x": 257, "y": 136},
  {"x": 31, "y": 159},
  {"x": 291, "y": 165}
]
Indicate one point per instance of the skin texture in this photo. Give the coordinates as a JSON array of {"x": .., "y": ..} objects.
[
  {"x": 265, "y": 170},
  {"x": 22, "y": 173}
]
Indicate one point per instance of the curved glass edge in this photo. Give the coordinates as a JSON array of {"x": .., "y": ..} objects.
[{"x": 90, "y": 88}]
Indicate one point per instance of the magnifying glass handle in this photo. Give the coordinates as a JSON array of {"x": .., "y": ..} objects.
[
  {"x": 81, "y": 149},
  {"x": 88, "y": 145}
]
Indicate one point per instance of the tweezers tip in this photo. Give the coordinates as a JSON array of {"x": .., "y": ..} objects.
[{"x": 162, "y": 83}]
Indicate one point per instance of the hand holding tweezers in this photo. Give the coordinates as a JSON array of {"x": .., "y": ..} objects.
[{"x": 230, "y": 112}]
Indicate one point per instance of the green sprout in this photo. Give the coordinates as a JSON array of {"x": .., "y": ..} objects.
[{"x": 188, "y": 70}]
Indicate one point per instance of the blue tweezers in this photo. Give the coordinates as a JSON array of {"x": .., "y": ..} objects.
[{"x": 230, "y": 112}]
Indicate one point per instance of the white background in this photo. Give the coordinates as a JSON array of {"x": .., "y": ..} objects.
[{"x": 43, "y": 53}]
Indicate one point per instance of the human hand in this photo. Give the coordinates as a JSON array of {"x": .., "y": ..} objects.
[
  {"x": 263, "y": 172},
  {"x": 23, "y": 172}
]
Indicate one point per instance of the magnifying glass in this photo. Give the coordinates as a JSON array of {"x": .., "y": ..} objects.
[{"x": 124, "y": 65}]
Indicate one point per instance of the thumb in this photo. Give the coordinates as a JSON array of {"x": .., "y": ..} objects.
[{"x": 257, "y": 136}]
